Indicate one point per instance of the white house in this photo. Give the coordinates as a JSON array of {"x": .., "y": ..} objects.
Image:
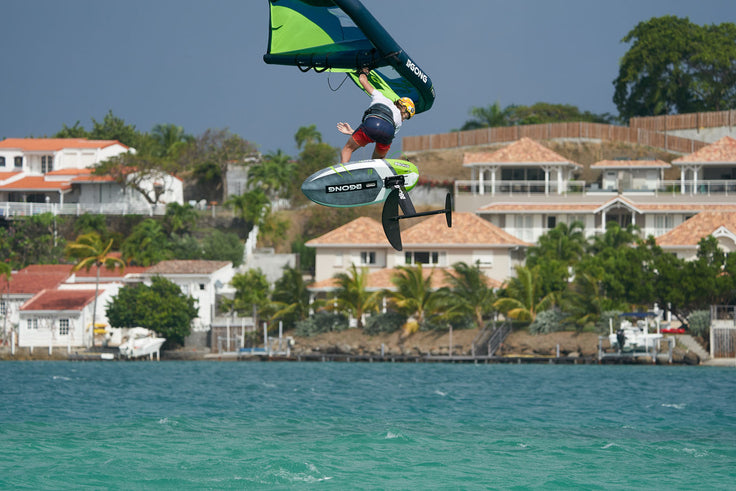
[
  {"x": 57, "y": 173},
  {"x": 23, "y": 285},
  {"x": 60, "y": 318},
  {"x": 510, "y": 189},
  {"x": 683, "y": 240},
  {"x": 430, "y": 242}
]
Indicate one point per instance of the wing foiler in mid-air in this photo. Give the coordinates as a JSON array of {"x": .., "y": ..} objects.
[
  {"x": 368, "y": 182},
  {"x": 343, "y": 36}
]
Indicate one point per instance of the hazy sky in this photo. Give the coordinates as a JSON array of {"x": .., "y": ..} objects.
[{"x": 199, "y": 63}]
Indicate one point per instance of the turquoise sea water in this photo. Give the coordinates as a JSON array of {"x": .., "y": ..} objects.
[{"x": 220, "y": 425}]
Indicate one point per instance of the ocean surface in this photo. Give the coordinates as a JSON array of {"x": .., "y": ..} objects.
[{"x": 261, "y": 425}]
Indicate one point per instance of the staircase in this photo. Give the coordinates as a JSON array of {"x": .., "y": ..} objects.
[
  {"x": 489, "y": 339},
  {"x": 689, "y": 342}
]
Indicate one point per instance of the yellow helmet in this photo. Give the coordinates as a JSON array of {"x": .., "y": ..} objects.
[{"x": 408, "y": 104}]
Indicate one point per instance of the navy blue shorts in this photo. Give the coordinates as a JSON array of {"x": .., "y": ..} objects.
[{"x": 377, "y": 129}]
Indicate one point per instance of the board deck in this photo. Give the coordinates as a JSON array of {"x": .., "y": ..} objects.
[{"x": 358, "y": 183}]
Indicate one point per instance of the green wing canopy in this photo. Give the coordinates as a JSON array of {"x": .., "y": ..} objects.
[{"x": 342, "y": 36}]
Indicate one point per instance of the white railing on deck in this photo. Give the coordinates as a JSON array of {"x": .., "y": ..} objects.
[{"x": 724, "y": 187}]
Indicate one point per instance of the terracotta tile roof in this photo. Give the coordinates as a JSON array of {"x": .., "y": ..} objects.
[
  {"x": 187, "y": 267},
  {"x": 54, "y": 144},
  {"x": 701, "y": 225},
  {"x": 60, "y": 300},
  {"x": 86, "y": 179},
  {"x": 70, "y": 172},
  {"x": 33, "y": 279},
  {"x": 109, "y": 275},
  {"x": 468, "y": 229},
  {"x": 722, "y": 151},
  {"x": 7, "y": 175},
  {"x": 36, "y": 183},
  {"x": 381, "y": 279},
  {"x": 631, "y": 164},
  {"x": 361, "y": 231},
  {"x": 524, "y": 150}
]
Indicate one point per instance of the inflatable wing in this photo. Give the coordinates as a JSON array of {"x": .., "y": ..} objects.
[{"x": 342, "y": 36}]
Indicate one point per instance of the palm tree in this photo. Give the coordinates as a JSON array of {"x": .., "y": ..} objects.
[
  {"x": 469, "y": 292},
  {"x": 353, "y": 297},
  {"x": 414, "y": 296},
  {"x": 147, "y": 244},
  {"x": 170, "y": 139},
  {"x": 90, "y": 251},
  {"x": 523, "y": 295},
  {"x": 180, "y": 219},
  {"x": 290, "y": 297},
  {"x": 252, "y": 206},
  {"x": 306, "y": 135},
  {"x": 273, "y": 174},
  {"x": 492, "y": 116}
]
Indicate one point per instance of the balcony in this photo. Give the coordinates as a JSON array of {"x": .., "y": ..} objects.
[{"x": 723, "y": 187}]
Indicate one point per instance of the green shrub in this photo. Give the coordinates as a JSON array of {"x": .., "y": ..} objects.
[
  {"x": 321, "y": 322},
  {"x": 384, "y": 323},
  {"x": 547, "y": 321},
  {"x": 699, "y": 323}
]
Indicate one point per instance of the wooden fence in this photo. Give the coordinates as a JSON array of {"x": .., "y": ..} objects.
[
  {"x": 690, "y": 121},
  {"x": 548, "y": 131}
]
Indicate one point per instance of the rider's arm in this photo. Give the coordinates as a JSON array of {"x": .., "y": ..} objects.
[{"x": 363, "y": 79}]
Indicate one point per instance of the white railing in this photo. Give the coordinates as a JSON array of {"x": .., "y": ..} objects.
[
  {"x": 510, "y": 188},
  {"x": 10, "y": 209},
  {"x": 724, "y": 187}
]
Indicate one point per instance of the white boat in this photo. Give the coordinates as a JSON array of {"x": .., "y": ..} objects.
[
  {"x": 141, "y": 342},
  {"x": 634, "y": 335}
]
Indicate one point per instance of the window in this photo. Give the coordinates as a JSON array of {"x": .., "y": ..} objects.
[
  {"x": 3, "y": 308},
  {"x": 32, "y": 323},
  {"x": 19, "y": 161},
  {"x": 47, "y": 164},
  {"x": 551, "y": 222},
  {"x": 201, "y": 286},
  {"x": 63, "y": 327},
  {"x": 367, "y": 257},
  {"x": 2, "y": 161},
  {"x": 422, "y": 257}
]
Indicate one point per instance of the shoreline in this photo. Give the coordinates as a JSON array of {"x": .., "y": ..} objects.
[{"x": 352, "y": 345}]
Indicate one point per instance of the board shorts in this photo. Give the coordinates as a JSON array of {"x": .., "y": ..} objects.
[{"x": 375, "y": 129}]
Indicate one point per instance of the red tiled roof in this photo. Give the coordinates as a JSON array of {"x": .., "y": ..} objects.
[
  {"x": 381, "y": 279},
  {"x": 724, "y": 150},
  {"x": 187, "y": 267},
  {"x": 468, "y": 229},
  {"x": 70, "y": 172},
  {"x": 701, "y": 225},
  {"x": 54, "y": 144},
  {"x": 524, "y": 150},
  {"x": 631, "y": 164},
  {"x": 7, "y": 175},
  {"x": 36, "y": 183},
  {"x": 60, "y": 300},
  {"x": 363, "y": 230},
  {"x": 84, "y": 179},
  {"x": 109, "y": 274},
  {"x": 33, "y": 279}
]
